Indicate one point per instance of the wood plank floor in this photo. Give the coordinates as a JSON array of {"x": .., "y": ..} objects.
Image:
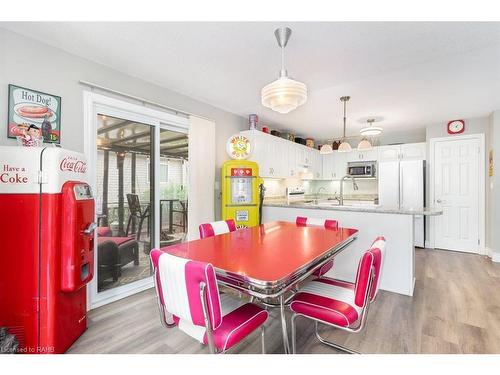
[{"x": 455, "y": 309}]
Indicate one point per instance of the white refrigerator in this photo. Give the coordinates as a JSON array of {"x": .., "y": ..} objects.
[{"x": 401, "y": 184}]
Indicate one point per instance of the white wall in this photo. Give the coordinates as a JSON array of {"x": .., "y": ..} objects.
[
  {"x": 493, "y": 187},
  {"x": 29, "y": 63}
]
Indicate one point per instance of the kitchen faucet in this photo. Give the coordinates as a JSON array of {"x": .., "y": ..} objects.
[
  {"x": 354, "y": 186},
  {"x": 317, "y": 192}
]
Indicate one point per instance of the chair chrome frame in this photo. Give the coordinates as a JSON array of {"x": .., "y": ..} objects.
[
  {"x": 164, "y": 315},
  {"x": 354, "y": 329}
]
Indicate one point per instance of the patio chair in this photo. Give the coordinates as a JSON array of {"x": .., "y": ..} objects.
[
  {"x": 138, "y": 213},
  {"x": 113, "y": 253},
  {"x": 183, "y": 211}
]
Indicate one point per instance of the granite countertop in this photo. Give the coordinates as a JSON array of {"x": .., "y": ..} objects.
[{"x": 330, "y": 205}]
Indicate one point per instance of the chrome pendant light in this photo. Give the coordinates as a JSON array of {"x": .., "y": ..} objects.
[
  {"x": 285, "y": 94},
  {"x": 370, "y": 130},
  {"x": 344, "y": 146}
]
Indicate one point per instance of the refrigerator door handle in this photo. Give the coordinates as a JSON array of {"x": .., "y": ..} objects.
[{"x": 400, "y": 184}]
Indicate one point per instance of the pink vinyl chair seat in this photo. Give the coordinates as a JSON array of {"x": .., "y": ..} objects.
[
  {"x": 239, "y": 319},
  {"x": 328, "y": 300},
  {"x": 327, "y": 224},
  {"x": 188, "y": 294}
]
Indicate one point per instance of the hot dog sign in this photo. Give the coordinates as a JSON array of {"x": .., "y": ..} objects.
[{"x": 31, "y": 108}]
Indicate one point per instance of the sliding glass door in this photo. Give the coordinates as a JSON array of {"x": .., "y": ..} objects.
[
  {"x": 173, "y": 179},
  {"x": 140, "y": 165},
  {"x": 124, "y": 201}
]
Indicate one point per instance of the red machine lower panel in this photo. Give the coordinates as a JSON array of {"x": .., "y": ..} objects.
[
  {"x": 45, "y": 319},
  {"x": 19, "y": 219}
]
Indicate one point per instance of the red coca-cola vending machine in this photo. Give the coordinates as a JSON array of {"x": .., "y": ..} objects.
[{"x": 46, "y": 246}]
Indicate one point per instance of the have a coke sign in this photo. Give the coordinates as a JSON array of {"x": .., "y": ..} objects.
[{"x": 73, "y": 164}]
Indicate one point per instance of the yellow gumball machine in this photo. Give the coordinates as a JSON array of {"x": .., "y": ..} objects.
[{"x": 242, "y": 188}]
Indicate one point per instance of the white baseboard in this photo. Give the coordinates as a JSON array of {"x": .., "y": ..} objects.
[
  {"x": 495, "y": 256},
  {"x": 428, "y": 244}
]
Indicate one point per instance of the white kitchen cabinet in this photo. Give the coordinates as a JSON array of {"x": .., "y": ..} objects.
[
  {"x": 356, "y": 155},
  {"x": 339, "y": 164},
  {"x": 414, "y": 151},
  {"x": 280, "y": 158},
  {"x": 389, "y": 153},
  {"x": 407, "y": 151},
  {"x": 334, "y": 165},
  {"x": 317, "y": 165},
  {"x": 328, "y": 166}
]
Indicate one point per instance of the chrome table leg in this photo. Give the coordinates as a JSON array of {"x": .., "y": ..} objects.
[
  {"x": 286, "y": 344},
  {"x": 263, "y": 338}
]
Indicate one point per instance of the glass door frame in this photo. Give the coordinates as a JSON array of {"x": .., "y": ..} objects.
[{"x": 93, "y": 105}]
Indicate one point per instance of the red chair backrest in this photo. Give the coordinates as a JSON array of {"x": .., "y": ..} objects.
[
  {"x": 178, "y": 286},
  {"x": 370, "y": 265},
  {"x": 327, "y": 223},
  {"x": 217, "y": 227}
]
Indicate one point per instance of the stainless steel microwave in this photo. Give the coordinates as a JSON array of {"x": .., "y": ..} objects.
[{"x": 362, "y": 169}]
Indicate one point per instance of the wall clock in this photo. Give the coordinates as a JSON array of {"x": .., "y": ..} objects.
[{"x": 456, "y": 126}]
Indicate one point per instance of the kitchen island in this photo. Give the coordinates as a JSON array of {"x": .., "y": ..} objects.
[{"x": 395, "y": 224}]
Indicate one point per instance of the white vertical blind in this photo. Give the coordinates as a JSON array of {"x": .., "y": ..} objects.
[{"x": 201, "y": 174}]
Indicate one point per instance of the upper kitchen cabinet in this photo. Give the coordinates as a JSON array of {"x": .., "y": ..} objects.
[
  {"x": 280, "y": 158},
  {"x": 414, "y": 151},
  {"x": 407, "y": 151},
  {"x": 334, "y": 165},
  {"x": 355, "y": 155},
  {"x": 328, "y": 167},
  {"x": 389, "y": 153}
]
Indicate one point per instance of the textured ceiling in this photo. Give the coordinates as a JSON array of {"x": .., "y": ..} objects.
[{"x": 408, "y": 74}]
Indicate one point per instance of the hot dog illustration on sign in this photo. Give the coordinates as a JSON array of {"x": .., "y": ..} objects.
[{"x": 28, "y": 106}]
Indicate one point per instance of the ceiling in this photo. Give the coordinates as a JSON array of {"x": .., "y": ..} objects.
[{"x": 409, "y": 74}]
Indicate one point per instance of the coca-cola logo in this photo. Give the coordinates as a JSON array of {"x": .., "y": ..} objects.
[{"x": 73, "y": 164}]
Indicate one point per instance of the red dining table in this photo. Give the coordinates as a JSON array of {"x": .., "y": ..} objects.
[{"x": 268, "y": 260}]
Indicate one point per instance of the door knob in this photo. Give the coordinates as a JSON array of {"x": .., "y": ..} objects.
[{"x": 439, "y": 201}]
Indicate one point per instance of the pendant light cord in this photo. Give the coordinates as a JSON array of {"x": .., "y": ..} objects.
[
  {"x": 283, "y": 71},
  {"x": 344, "y": 116}
]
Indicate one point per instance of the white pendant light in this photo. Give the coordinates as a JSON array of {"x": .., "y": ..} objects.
[
  {"x": 364, "y": 145},
  {"x": 370, "y": 130},
  {"x": 326, "y": 149},
  {"x": 344, "y": 146},
  {"x": 285, "y": 94}
]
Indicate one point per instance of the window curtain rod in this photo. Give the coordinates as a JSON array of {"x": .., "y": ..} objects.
[{"x": 142, "y": 100}]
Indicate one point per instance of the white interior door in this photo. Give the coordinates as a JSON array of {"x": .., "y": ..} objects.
[{"x": 456, "y": 191}]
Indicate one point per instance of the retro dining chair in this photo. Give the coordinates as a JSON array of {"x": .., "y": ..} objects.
[
  {"x": 327, "y": 224},
  {"x": 216, "y": 227},
  {"x": 341, "y": 304},
  {"x": 188, "y": 297}
]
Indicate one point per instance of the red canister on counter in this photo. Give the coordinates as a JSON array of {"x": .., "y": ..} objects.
[{"x": 265, "y": 129}]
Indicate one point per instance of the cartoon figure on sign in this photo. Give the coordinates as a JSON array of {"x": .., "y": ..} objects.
[
  {"x": 31, "y": 137},
  {"x": 46, "y": 129}
]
